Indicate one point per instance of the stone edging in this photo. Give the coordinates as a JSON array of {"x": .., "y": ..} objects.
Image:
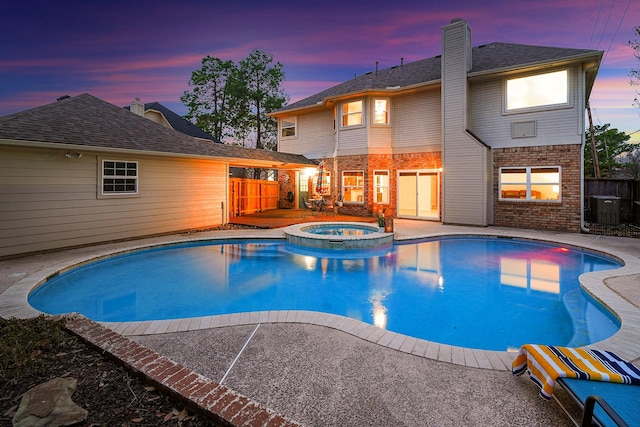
[{"x": 215, "y": 401}]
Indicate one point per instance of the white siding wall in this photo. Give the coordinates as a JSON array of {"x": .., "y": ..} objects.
[
  {"x": 352, "y": 141},
  {"x": 417, "y": 121},
  {"x": 465, "y": 174},
  {"x": 494, "y": 127},
  {"x": 48, "y": 201},
  {"x": 315, "y": 136},
  {"x": 380, "y": 137}
]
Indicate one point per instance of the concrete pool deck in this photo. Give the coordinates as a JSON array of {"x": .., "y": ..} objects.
[{"x": 329, "y": 370}]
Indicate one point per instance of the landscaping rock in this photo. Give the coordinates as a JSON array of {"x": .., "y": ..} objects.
[{"x": 49, "y": 404}]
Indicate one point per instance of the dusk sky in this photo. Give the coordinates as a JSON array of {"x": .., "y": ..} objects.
[{"x": 119, "y": 50}]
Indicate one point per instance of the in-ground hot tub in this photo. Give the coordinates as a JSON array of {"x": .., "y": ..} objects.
[{"x": 337, "y": 235}]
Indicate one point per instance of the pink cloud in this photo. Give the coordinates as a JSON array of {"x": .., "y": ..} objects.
[
  {"x": 140, "y": 64},
  {"x": 611, "y": 102},
  {"x": 620, "y": 55},
  {"x": 613, "y": 92},
  {"x": 300, "y": 89},
  {"x": 27, "y": 100},
  {"x": 39, "y": 65}
]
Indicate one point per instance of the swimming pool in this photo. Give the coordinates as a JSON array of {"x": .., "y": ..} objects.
[{"x": 484, "y": 293}]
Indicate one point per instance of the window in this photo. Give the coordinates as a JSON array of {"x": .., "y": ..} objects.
[
  {"x": 381, "y": 184},
  {"x": 530, "y": 183},
  {"x": 550, "y": 89},
  {"x": 380, "y": 111},
  {"x": 119, "y": 177},
  {"x": 353, "y": 186},
  {"x": 352, "y": 113},
  {"x": 288, "y": 127}
]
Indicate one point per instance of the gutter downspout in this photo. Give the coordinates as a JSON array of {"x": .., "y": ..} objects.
[{"x": 583, "y": 228}]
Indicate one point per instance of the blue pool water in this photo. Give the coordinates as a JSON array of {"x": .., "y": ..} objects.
[
  {"x": 339, "y": 230},
  {"x": 484, "y": 293}
]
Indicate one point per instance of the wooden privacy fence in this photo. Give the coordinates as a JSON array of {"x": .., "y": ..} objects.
[{"x": 249, "y": 196}]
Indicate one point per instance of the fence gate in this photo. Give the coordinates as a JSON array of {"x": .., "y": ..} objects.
[{"x": 252, "y": 195}]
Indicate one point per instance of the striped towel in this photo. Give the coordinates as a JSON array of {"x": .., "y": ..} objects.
[{"x": 546, "y": 363}]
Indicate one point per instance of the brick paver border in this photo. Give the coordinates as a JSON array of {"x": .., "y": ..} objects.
[{"x": 215, "y": 401}]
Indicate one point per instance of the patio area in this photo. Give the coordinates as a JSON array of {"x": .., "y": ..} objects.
[
  {"x": 277, "y": 218},
  {"x": 323, "y": 373}
]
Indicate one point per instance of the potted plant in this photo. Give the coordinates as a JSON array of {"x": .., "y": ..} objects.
[{"x": 381, "y": 220}]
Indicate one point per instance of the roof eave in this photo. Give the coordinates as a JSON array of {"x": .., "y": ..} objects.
[
  {"x": 585, "y": 58},
  {"x": 354, "y": 94},
  {"x": 232, "y": 161}
]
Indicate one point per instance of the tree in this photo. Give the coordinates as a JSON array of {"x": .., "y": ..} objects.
[
  {"x": 258, "y": 91},
  {"x": 635, "y": 72},
  {"x": 209, "y": 101},
  {"x": 610, "y": 144},
  {"x": 232, "y": 101},
  {"x": 631, "y": 165}
]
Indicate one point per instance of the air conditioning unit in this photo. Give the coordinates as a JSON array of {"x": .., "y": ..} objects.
[{"x": 607, "y": 209}]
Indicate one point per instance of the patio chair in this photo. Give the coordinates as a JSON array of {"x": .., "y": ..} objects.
[
  {"x": 308, "y": 207},
  {"x": 606, "y": 386},
  {"x": 338, "y": 203}
]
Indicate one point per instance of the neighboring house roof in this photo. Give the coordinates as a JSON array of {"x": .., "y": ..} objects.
[
  {"x": 87, "y": 121},
  {"x": 177, "y": 122},
  {"x": 489, "y": 58}
]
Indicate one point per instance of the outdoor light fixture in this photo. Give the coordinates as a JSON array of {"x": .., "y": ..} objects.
[{"x": 70, "y": 154}]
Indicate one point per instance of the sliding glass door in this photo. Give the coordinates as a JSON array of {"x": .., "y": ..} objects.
[{"x": 419, "y": 194}]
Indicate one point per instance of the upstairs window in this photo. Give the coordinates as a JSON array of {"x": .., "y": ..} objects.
[
  {"x": 380, "y": 111},
  {"x": 538, "y": 91},
  {"x": 352, "y": 114},
  {"x": 288, "y": 127},
  {"x": 119, "y": 177},
  {"x": 353, "y": 186},
  {"x": 531, "y": 183}
]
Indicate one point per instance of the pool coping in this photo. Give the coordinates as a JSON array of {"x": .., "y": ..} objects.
[{"x": 625, "y": 342}]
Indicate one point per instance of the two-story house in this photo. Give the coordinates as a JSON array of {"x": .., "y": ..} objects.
[{"x": 491, "y": 135}]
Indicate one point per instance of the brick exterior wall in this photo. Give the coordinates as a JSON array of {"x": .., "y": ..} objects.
[
  {"x": 286, "y": 185},
  {"x": 371, "y": 163},
  {"x": 564, "y": 216}
]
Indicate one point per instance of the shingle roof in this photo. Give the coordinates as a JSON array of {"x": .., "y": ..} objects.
[
  {"x": 178, "y": 123},
  {"x": 485, "y": 58},
  {"x": 86, "y": 121}
]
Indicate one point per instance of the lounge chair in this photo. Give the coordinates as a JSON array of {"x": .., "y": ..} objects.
[
  {"x": 609, "y": 403},
  {"x": 599, "y": 381}
]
